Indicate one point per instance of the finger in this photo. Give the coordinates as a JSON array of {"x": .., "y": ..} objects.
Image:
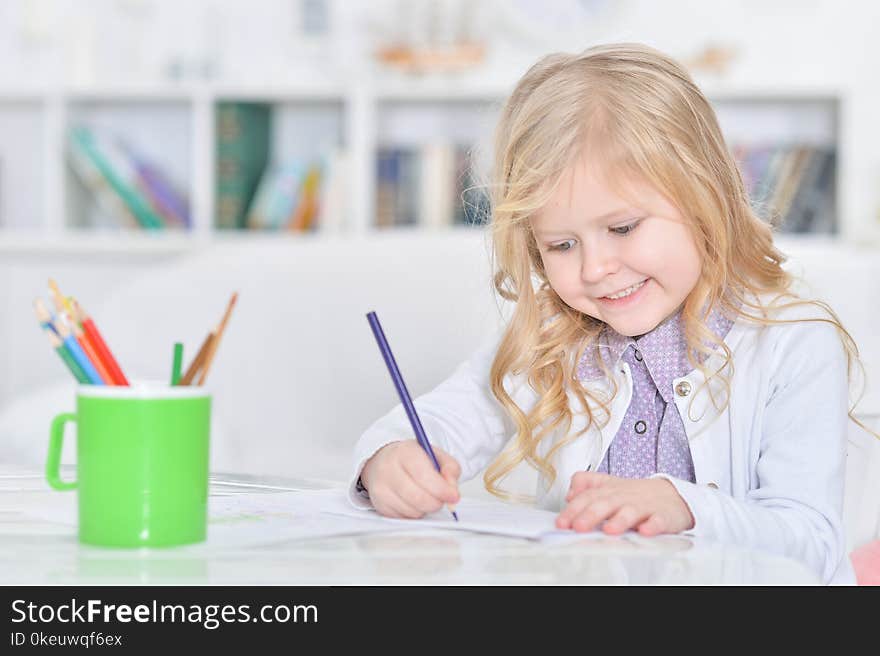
[
  {"x": 577, "y": 506},
  {"x": 452, "y": 479},
  {"x": 626, "y": 517},
  {"x": 654, "y": 525},
  {"x": 421, "y": 471},
  {"x": 450, "y": 470},
  {"x": 390, "y": 504},
  {"x": 584, "y": 481},
  {"x": 574, "y": 507},
  {"x": 594, "y": 514},
  {"x": 415, "y": 494},
  {"x": 449, "y": 466}
]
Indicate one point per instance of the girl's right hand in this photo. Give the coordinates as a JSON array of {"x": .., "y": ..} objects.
[{"x": 402, "y": 482}]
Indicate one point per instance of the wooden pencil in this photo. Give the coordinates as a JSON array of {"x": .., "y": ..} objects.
[
  {"x": 196, "y": 364},
  {"x": 219, "y": 334}
]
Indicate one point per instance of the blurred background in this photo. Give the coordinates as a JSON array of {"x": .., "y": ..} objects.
[{"x": 323, "y": 157}]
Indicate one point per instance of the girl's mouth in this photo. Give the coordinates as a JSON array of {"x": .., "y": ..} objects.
[{"x": 627, "y": 296}]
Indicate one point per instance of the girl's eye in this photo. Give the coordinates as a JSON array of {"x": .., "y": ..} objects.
[
  {"x": 623, "y": 231},
  {"x": 562, "y": 247}
]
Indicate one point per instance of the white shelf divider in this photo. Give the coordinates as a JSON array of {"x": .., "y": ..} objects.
[
  {"x": 56, "y": 212},
  {"x": 360, "y": 140},
  {"x": 203, "y": 173}
]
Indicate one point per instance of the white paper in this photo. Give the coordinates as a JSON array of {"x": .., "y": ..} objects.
[
  {"x": 237, "y": 523},
  {"x": 480, "y": 516}
]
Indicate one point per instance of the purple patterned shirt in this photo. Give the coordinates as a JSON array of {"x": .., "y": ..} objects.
[{"x": 651, "y": 438}]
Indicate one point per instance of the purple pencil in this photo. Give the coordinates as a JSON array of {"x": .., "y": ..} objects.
[{"x": 402, "y": 392}]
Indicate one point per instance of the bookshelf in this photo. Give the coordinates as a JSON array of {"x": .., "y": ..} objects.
[
  {"x": 789, "y": 151},
  {"x": 44, "y": 208}
]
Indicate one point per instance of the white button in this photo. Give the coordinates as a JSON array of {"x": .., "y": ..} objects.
[
  {"x": 683, "y": 388},
  {"x": 714, "y": 486}
]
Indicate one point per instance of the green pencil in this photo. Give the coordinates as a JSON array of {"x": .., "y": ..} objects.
[
  {"x": 48, "y": 325},
  {"x": 178, "y": 360},
  {"x": 72, "y": 364}
]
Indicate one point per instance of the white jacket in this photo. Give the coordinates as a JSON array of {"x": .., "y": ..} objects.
[{"x": 769, "y": 468}]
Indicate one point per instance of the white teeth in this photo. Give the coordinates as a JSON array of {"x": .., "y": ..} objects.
[{"x": 627, "y": 291}]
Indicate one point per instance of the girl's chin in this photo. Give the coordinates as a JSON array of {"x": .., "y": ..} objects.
[{"x": 635, "y": 328}]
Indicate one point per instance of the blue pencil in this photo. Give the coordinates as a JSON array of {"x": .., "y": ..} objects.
[
  {"x": 77, "y": 353},
  {"x": 402, "y": 391}
]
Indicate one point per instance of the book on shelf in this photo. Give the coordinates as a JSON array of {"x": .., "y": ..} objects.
[
  {"x": 171, "y": 204},
  {"x": 429, "y": 185},
  {"x": 304, "y": 214},
  {"x": 437, "y": 194},
  {"x": 276, "y": 196},
  {"x": 334, "y": 192},
  {"x": 301, "y": 195},
  {"x": 813, "y": 207},
  {"x": 796, "y": 183},
  {"x": 397, "y": 177},
  {"x": 112, "y": 212},
  {"x": 243, "y": 134},
  {"x": 124, "y": 185}
]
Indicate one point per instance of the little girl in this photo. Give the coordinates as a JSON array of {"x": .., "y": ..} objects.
[{"x": 658, "y": 370}]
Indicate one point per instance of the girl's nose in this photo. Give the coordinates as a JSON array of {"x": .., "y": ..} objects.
[{"x": 597, "y": 263}]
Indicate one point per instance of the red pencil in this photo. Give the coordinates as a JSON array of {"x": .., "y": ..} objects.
[{"x": 91, "y": 331}]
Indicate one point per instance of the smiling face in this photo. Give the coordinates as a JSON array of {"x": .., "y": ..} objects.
[{"x": 629, "y": 262}]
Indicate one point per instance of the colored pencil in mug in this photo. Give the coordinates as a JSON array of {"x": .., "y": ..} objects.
[
  {"x": 55, "y": 341},
  {"x": 70, "y": 343},
  {"x": 218, "y": 334},
  {"x": 100, "y": 346},
  {"x": 65, "y": 310},
  {"x": 176, "y": 363},
  {"x": 62, "y": 303},
  {"x": 94, "y": 348},
  {"x": 49, "y": 324},
  {"x": 89, "y": 349},
  {"x": 197, "y": 362}
]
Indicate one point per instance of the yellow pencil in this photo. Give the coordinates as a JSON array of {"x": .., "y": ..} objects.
[{"x": 62, "y": 303}]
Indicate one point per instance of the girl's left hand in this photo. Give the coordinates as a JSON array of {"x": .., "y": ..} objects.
[{"x": 650, "y": 505}]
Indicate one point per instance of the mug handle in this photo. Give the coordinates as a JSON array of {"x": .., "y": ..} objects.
[{"x": 53, "y": 462}]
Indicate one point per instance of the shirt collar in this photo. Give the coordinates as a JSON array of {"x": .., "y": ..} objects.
[{"x": 663, "y": 350}]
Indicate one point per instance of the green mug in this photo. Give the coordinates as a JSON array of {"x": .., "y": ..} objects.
[{"x": 141, "y": 464}]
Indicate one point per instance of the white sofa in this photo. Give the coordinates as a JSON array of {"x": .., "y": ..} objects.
[{"x": 298, "y": 375}]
